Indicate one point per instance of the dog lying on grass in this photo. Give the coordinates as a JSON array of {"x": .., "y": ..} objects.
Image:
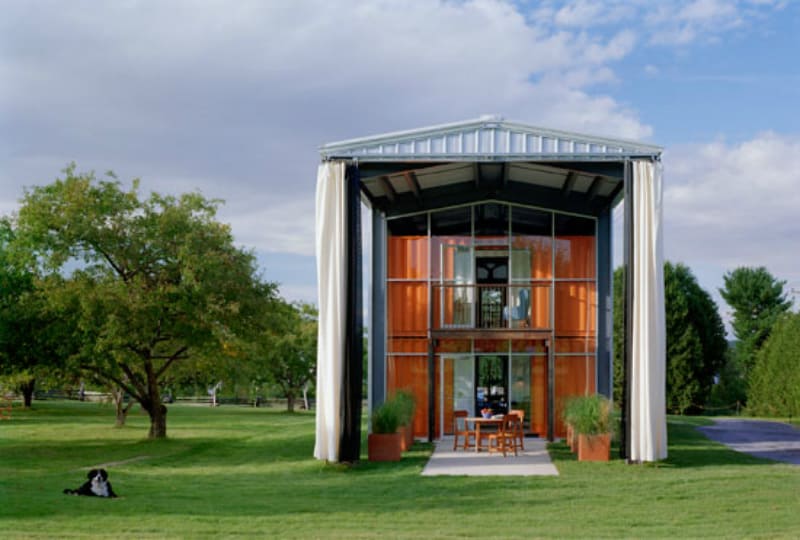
[{"x": 97, "y": 485}]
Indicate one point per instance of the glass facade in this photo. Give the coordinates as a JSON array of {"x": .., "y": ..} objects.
[{"x": 498, "y": 268}]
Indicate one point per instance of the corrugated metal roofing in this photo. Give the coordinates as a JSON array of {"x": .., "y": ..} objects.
[{"x": 489, "y": 138}]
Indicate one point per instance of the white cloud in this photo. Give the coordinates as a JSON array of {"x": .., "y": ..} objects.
[{"x": 735, "y": 204}]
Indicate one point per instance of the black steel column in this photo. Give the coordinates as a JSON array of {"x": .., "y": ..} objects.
[
  {"x": 551, "y": 391},
  {"x": 431, "y": 392},
  {"x": 627, "y": 315},
  {"x": 350, "y": 443}
]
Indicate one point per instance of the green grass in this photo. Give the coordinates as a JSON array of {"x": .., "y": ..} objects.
[{"x": 239, "y": 472}]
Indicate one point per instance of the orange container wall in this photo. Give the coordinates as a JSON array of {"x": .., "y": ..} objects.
[
  {"x": 575, "y": 257},
  {"x": 411, "y": 373},
  {"x": 407, "y": 308},
  {"x": 576, "y": 309},
  {"x": 539, "y": 395},
  {"x": 575, "y": 376},
  {"x": 408, "y": 257}
]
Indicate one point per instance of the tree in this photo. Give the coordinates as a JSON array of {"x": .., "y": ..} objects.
[
  {"x": 774, "y": 388},
  {"x": 696, "y": 343},
  {"x": 32, "y": 339},
  {"x": 758, "y": 300},
  {"x": 149, "y": 282},
  {"x": 290, "y": 350}
]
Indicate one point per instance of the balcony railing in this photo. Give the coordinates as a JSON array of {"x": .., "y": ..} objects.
[{"x": 492, "y": 306}]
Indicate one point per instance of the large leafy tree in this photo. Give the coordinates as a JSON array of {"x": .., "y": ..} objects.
[
  {"x": 289, "y": 350},
  {"x": 696, "y": 343},
  {"x": 150, "y": 282},
  {"x": 33, "y": 340},
  {"x": 774, "y": 387},
  {"x": 758, "y": 300}
]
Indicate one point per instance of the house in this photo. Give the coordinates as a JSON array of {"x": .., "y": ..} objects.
[{"x": 490, "y": 278}]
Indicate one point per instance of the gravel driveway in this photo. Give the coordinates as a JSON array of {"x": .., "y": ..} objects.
[{"x": 770, "y": 440}]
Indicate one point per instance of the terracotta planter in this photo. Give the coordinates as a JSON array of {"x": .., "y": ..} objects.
[
  {"x": 594, "y": 447},
  {"x": 384, "y": 446},
  {"x": 408, "y": 437}
]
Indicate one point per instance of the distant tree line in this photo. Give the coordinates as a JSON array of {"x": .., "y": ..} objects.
[
  {"x": 759, "y": 370},
  {"x": 139, "y": 296}
]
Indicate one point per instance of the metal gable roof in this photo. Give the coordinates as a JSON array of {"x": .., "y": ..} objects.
[{"x": 489, "y": 138}]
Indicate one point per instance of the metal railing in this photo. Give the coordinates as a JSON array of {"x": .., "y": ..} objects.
[{"x": 492, "y": 306}]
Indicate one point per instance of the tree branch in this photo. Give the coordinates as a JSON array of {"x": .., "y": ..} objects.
[
  {"x": 103, "y": 374},
  {"x": 177, "y": 356}
]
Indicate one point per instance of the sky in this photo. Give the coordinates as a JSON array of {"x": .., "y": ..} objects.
[{"x": 234, "y": 98}]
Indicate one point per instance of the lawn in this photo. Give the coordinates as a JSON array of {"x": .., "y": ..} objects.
[{"x": 243, "y": 472}]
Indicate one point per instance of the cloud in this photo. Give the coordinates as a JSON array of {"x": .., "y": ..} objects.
[
  {"x": 735, "y": 204},
  {"x": 234, "y": 98}
]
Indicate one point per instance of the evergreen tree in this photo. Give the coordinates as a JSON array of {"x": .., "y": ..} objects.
[
  {"x": 695, "y": 339},
  {"x": 774, "y": 388},
  {"x": 758, "y": 300}
]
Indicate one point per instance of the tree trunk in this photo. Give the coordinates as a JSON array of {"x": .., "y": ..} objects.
[
  {"x": 118, "y": 395},
  {"x": 158, "y": 421},
  {"x": 154, "y": 407},
  {"x": 290, "y": 402},
  {"x": 27, "y": 392}
]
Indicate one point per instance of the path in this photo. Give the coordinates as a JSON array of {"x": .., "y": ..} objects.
[{"x": 760, "y": 438}]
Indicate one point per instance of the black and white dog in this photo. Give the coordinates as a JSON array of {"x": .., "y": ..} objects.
[{"x": 97, "y": 485}]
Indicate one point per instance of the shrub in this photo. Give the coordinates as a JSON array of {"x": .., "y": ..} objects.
[
  {"x": 406, "y": 404},
  {"x": 386, "y": 417},
  {"x": 591, "y": 415}
]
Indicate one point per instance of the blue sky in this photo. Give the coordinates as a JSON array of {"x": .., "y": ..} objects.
[{"x": 234, "y": 98}]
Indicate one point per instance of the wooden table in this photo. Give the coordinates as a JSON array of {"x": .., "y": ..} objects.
[{"x": 481, "y": 421}]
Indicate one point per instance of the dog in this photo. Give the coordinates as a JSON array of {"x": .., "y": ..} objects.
[{"x": 97, "y": 485}]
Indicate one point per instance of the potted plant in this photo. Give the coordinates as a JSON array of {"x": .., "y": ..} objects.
[
  {"x": 568, "y": 413},
  {"x": 406, "y": 405},
  {"x": 384, "y": 443},
  {"x": 592, "y": 422}
]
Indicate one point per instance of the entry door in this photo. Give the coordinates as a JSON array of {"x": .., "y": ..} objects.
[
  {"x": 457, "y": 387},
  {"x": 491, "y": 384},
  {"x": 492, "y": 278}
]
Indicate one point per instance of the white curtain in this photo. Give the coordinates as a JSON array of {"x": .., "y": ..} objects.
[
  {"x": 331, "y": 284},
  {"x": 648, "y": 361}
]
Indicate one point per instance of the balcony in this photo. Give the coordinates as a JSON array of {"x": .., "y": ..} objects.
[{"x": 492, "y": 310}]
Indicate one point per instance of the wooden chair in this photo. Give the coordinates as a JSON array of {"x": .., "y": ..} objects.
[
  {"x": 503, "y": 439},
  {"x": 519, "y": 434},
  {"x": 460, "y": 428}
]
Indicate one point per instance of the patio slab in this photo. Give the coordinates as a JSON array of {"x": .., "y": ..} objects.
[{"x": 533, "y": 461}]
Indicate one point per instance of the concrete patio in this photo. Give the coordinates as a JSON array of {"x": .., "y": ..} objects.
[{"x": 533, "y": 461}]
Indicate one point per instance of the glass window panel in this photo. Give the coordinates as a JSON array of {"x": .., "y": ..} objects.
[
  {"x": 491, "y": 219},
  {"x": 575, "y": 247},
  {"x": 449, "y": 227},
  {"x": 456, "y": 263},
  {"x": 453, "y": 306},
  {"x": 416, "y": 225},
  {"x": 530, "y": 222},
  {"x": 521, "y": 264},
  {"x": 532, "y": 231},
  {"x": 520, "y": 392},
  {"x": 463, "y": 384}
]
